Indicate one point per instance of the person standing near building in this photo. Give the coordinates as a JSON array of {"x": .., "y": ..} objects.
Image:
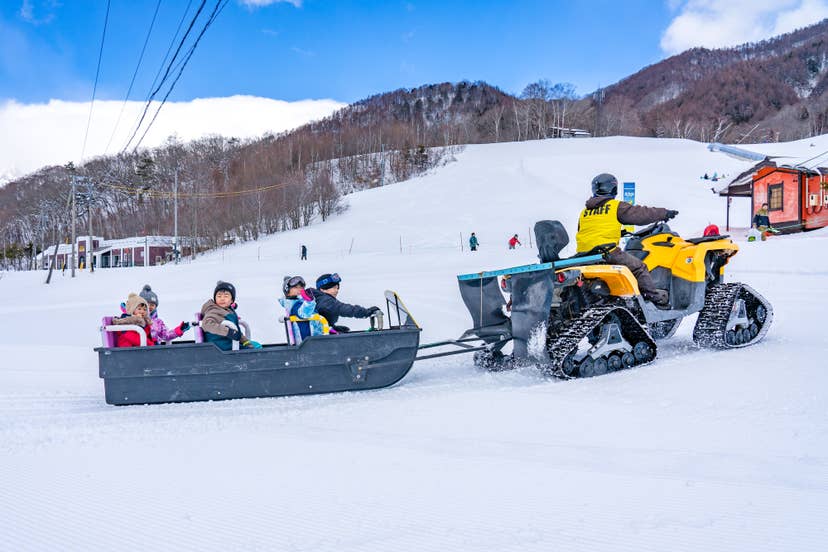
[
  {"x": 304, "y": 256},
  {"x": 473, "y": 243},
  {"x": 514, "y": 241}
]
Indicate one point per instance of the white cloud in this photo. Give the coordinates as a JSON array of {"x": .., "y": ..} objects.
[
  {"x": 262, "y": 3},
  {"x": 723, "y": 23},
  {"x": 35, "y": 135}
]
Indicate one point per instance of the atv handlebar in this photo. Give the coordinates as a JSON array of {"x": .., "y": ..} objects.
[{"x": 659, "y": 227}]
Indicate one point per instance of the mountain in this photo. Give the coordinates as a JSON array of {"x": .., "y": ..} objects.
[
  {"x": 771, "y": 90},
  {"x": 763, "y": 92}
]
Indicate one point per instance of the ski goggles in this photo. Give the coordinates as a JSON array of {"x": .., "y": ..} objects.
[
  {"x": 328, "y": 280},
  {"x": 292, "y": 282}
]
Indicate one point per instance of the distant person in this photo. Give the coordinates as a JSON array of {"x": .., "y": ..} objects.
[
  {"x": 599, "y": 227},
  {"x": 304, "y": 256},
  {"x": 473, "y": 243},
  {"x": 218, "y": 309},
  {"x": 761, "y": 221},
  {"x": 327, "y": 304},
  {"x": 706, "y": 177},
  {"x": 513, "y": 241},
  {"x": 136, "y": 313}
]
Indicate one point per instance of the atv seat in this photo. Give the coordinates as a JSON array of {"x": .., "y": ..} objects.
[{"x": 704, "y": 239}]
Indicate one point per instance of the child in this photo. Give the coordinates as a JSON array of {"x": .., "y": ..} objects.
[
  {"x": 218, "y": 309},
  {"x": 137, "y": 313},
  {"x": 299, "y": 303},
  {"x": 159, "y": 330}
]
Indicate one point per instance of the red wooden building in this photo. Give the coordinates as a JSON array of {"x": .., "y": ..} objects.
[{"x": 797, "y": 197}]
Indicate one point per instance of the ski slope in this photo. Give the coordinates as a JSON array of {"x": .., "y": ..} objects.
[{"x": 700, "y": 450}]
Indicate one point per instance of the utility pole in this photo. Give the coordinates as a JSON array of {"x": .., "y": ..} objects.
[
  {"x": 175, "y": 216},
  {"x": 382, "y": 167},
  {"x": 90, "y": 257},
  {"x": 73, "y": 225}
]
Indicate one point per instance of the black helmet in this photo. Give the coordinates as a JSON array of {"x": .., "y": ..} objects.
[
  {"x": 605, "y": 185},
  {"x": 292, "y": 281}
]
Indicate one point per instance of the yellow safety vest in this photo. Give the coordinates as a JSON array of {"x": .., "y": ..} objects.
[{"x": 598, "y": 226}]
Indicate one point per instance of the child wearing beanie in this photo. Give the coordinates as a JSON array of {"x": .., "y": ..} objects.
[
  {"x": 136, "y": 313},
  {"x": 159, "y": 330},
  {"x": 218, "y": 309}
]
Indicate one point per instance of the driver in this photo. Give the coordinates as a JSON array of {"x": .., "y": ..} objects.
[{"x": 600, "y": 225}]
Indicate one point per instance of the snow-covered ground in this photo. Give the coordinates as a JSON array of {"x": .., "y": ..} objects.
[{"x": 701, "y": 450}]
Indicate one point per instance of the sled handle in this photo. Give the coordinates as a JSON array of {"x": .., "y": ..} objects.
[
  {"x": 245, "y": 325},
  {"x": 129, "y": 328}
]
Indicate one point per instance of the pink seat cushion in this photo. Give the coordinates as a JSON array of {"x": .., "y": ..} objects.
[
  {"x": 107, "y": 337},
  {"x": 198, "y": 332}
]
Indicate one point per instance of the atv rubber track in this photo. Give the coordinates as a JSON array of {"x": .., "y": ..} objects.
[
  {"x": 566, "y": 341},
  {"x": 718, "y": 302}
]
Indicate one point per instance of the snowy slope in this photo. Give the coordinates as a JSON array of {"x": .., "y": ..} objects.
[{"x": 700, "y": 450}]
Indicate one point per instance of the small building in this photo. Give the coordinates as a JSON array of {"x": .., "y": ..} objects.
[
  {"x": 797, "y": 196},
  {"x": 123, "y": 252},
  {"x": 564, "y": 132}
]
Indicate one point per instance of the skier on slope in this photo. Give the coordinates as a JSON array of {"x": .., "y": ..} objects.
[{"x": 599, "y": 225}]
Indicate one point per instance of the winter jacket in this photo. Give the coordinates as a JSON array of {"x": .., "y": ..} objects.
[
  {"x": 301, "y": 308},
  {"x": 620, "y": 212},
  {"x": 332, "y": 308},
  {"x": 212, "y": 316},
  {"x": 159, "y": 330},
  {"x": 131, "y": 339},
  {"x": 514, "y": 241},
  {"x": 473, "y": 241},
  {"x": 761, "y": 218}
]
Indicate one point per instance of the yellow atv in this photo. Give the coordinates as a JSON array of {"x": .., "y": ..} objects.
[{"x": 581, "y": 317}]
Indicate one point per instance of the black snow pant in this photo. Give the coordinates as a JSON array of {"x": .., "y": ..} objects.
[{"x": 639, "y": 269}]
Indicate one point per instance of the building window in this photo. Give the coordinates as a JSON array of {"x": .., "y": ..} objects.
[{"x": 775, "y": 197}]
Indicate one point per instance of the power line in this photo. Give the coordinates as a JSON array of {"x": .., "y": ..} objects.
[
  {"x": 95, "y": 86},
  {"x": 134, "y": 74},
  {"x": 160, "y": 194},
  {"x": 170, "y": 47},
  {"x": 166, "y": 74},
  {"x": 220, "y": 4}
]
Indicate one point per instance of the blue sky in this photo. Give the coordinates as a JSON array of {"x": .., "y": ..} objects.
[{"x": 343, "y": 49}]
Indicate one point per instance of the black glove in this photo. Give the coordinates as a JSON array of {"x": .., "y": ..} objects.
[
  {"x": 670, "y": 214},
  {"x": 235, "y": 335},
  {"x": 372, "y": 310},
  {"x": 184, "y": 326}
]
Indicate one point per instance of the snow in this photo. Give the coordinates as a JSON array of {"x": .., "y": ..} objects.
[{"x": 701, "y": 450}]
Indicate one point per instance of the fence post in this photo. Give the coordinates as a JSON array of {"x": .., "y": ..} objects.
[
  {"x": 351, "y": 247},
  {"x": 461, "y": 242},
  {"x": 401, "y": 245},
  {"x": 530, "y": 237}
]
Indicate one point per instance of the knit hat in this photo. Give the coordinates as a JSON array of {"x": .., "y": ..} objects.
[
  {"x": 134, "y": 301},
  {"x": 149, "y": 295},
  {"x": 225, "y": 286}
]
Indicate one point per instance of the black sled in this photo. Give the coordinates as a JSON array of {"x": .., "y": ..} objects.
[{"x": 190, "y": 371}]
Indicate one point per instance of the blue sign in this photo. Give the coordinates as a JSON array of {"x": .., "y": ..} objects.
[{"x": 629, "y": 192}]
